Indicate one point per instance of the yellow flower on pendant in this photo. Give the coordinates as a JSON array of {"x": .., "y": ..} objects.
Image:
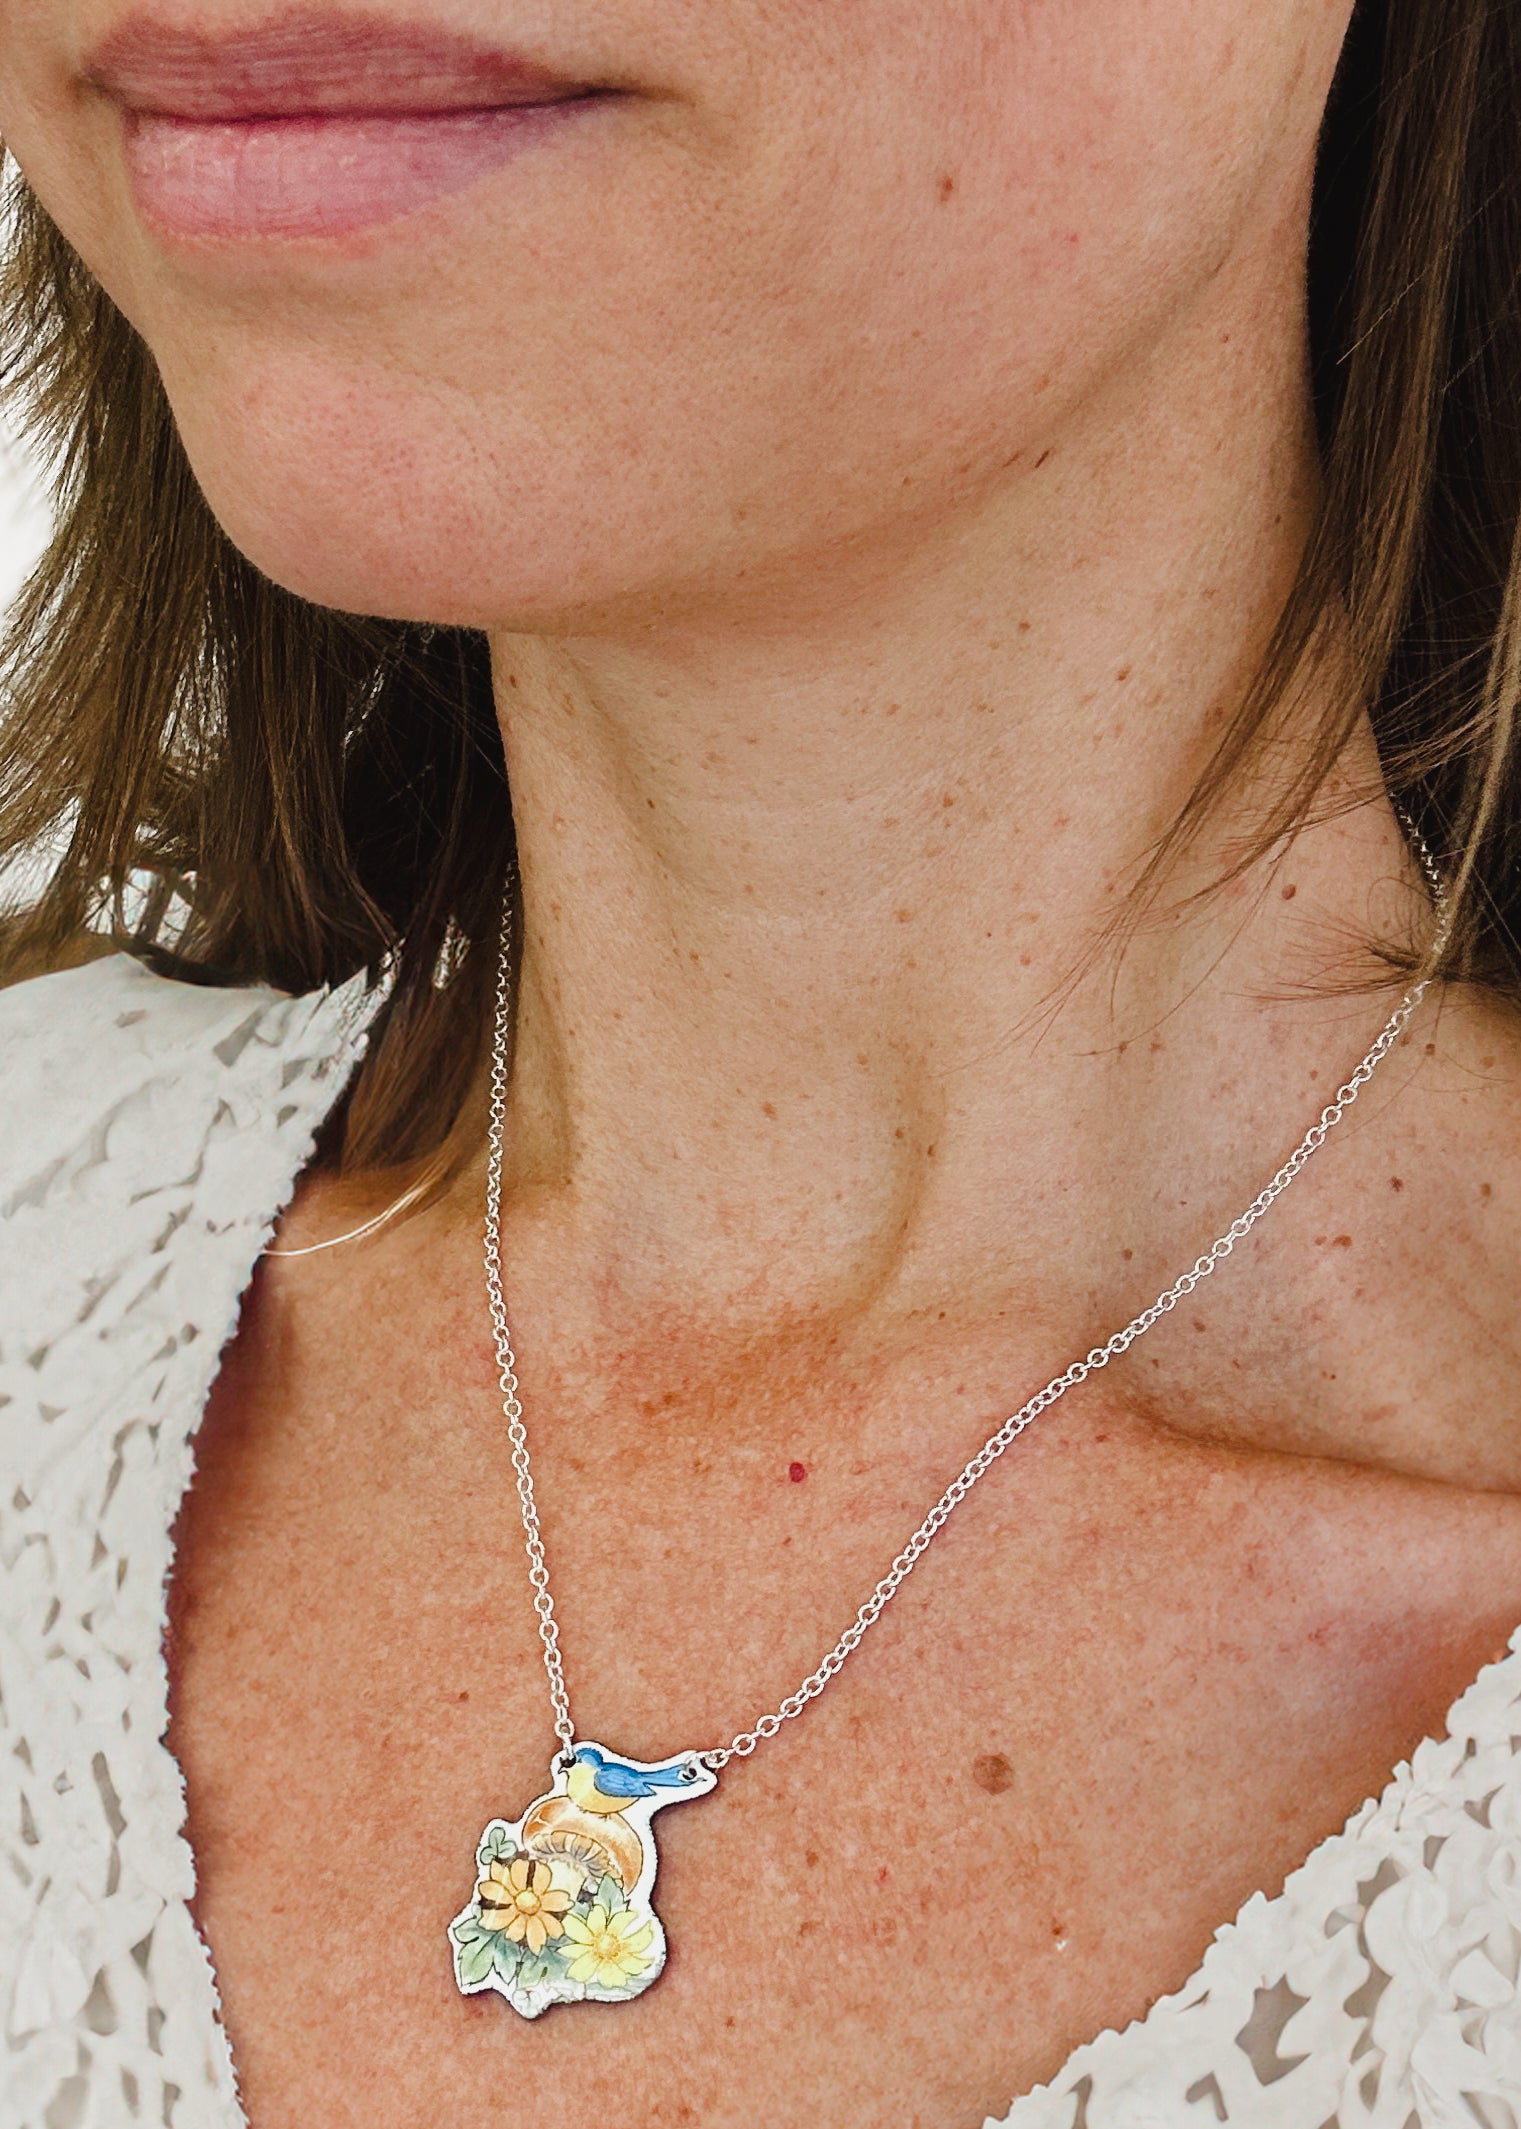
[
  {"x": 522, "y": 1899},
  {"x": 613, "y": 1949}
]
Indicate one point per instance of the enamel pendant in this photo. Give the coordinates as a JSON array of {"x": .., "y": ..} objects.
[{"x": 563, "y": 1910}]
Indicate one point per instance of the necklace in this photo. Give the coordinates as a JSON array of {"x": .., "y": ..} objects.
[{"x": 563, "y": 1908}]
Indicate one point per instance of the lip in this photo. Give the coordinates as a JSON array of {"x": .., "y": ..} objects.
[{"x": 316, "y": 122}]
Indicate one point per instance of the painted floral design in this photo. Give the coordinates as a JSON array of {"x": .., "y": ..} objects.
[
  {"x": 562, "y": 1910},
  {"x": 611, "y": 1950},
  {"x": 523, "y": 1899}
]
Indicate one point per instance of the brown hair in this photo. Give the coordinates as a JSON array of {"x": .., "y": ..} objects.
[{"x": 244, "y": 787}]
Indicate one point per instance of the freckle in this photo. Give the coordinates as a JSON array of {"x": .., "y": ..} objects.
[
  {"x": 992, "y": 1772},
  {"x": 1396, "y": 1182},
  {"x": 650, "y": 803},
  {"x": 947, "y": 187},
  {"x": 512, "y": 679},
  {"x": 1431, "y": 1049},
  {"x": 929, "y": 1152},
  {"x": 693, "y": 955},
  {"x": 1157, "y": 1046},
  {"x": 1342, "y": 1242},
  {"x": 1123, "y": 673},
  {"x": 463, "y": 1696},
  {"x": 1024, "y": 628},
  {"x": 1486, "y": 1190},
  {"x": 1127, "y": 1254},
  {"x": 810, "y": 1858},
  {"x": 1198, "y": 1323},
  {"x": 1320, "y": 1241},
  {"x": 949, "y": 800},
  {"x": 1486, "y": 1064},
  {"x": 904, "y": 916},
  {"x": 797, "y": 1473},
  {"x": 1289, "y": 892},
  {"x": 768, "y": 1108},
  {"x": 1025, "y": 960}
]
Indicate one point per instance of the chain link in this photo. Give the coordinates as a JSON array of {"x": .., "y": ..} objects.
[
  {"x": 506, "y": 1359},
  {"x": 1099, "y": 1356}
]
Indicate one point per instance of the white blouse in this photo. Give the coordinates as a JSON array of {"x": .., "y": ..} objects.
[{"x": 150, "y": 1133}]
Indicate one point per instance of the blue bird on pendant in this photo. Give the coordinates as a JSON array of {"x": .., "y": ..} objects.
[{"x": 603, "y": 1785}]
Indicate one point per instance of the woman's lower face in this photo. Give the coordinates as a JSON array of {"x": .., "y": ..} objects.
[{"x": 545, "y": 318}]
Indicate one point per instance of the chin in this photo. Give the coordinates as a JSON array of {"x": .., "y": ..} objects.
[
  {"x": 375, "y": 495},
  {"x": 377, "y": 508},
  {"x": 395, "y": 555}
]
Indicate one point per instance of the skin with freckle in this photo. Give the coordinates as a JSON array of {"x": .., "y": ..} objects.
[{"x": 875, "y": 442}]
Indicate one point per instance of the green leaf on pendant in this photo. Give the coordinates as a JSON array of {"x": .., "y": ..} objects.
[{"x": 475, "y": 1960}]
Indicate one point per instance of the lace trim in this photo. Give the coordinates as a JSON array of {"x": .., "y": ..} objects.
[{"x": 159, "y": 1129}]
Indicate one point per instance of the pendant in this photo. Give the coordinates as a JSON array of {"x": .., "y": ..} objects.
[{"x": 563, "y": 1909}]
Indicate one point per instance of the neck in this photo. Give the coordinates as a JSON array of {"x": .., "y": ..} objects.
[{"x": 814, "y": 868}]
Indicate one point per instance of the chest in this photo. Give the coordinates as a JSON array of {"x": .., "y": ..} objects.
[{"x": 1133, "y": 1681}]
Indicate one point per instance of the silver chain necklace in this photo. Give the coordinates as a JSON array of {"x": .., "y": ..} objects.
[{"x": 563, "y": 1908}]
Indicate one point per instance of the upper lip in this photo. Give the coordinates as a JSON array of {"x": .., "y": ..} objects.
[{"x": 314, "y": 60}]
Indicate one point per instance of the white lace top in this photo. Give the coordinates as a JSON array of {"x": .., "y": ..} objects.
[{"x": 149, "y": 1134}]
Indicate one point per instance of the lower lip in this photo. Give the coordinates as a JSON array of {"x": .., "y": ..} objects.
[{"x": 322, "y": 175}]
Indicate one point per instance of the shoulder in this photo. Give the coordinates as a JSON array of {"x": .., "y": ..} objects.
[
  {"x": 84, "y": 1047},
  {"x": 153, "y": 1131}
]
